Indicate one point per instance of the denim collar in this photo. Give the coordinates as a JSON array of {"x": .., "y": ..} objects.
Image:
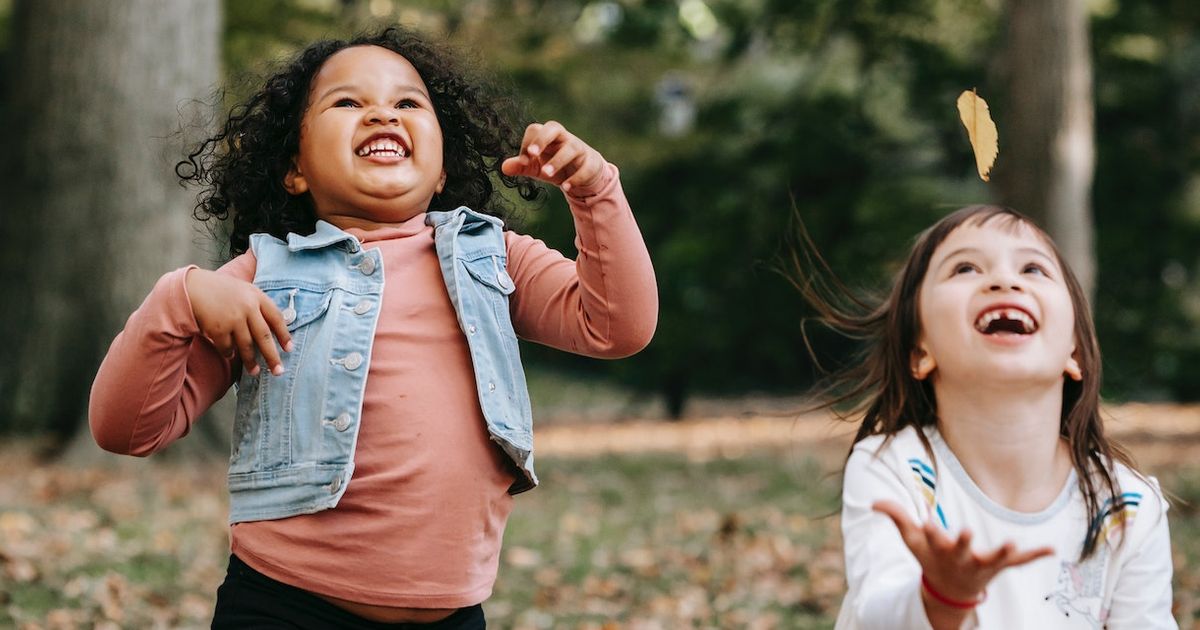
[
  {"x": 326, "y": 235},
  {"x": 434, "y": 219}
]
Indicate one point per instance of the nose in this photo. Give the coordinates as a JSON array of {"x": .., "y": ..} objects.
[
  {"x": 1004, "y": 281},
  {"x": 382, "y": 116}
]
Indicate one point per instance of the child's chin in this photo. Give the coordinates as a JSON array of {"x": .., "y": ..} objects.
[{"x": 1016, "y": 374}]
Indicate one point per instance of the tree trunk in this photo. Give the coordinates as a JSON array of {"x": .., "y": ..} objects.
[
  {"x": 103, "y": 99},
  {"x": 1047, "y": 144}
]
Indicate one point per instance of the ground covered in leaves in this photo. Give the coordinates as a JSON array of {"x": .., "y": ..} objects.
[{"x": 657, "y": 538}]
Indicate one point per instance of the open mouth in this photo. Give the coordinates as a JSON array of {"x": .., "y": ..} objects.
[
  {"x": 382, "y": 145},
  {"x": 1005, "y": 320}
]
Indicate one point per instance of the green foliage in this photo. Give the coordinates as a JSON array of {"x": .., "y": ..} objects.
[
  {"x": 839, "y": 113},
  {"x": 822, "y": 110},
  {"x": 845, "y": 111},
  {"x": 1147, "y": 197}
]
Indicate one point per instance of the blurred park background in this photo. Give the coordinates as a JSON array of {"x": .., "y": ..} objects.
[{"x": 729, "y": 119}]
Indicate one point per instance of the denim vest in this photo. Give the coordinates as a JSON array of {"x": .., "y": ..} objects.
[{"x": 294, "y": 435}]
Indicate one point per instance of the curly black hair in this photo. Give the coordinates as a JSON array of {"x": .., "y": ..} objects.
[{"x": 242, "y": 166}]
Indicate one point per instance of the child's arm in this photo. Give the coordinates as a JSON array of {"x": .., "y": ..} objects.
[
  {"x": 954, "y": 577},
  {"x": 895, "y": 564},
  {"x": 161, "y": 372},
  {"x": 605, "y": 302},
  {"x": 1142, "y": 597},
  {"x": 884, "y": 578}
]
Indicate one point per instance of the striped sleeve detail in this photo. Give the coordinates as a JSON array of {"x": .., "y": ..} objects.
[
  {"x": 1115, "y": 516},
  {"x": 926, "y": 480}
]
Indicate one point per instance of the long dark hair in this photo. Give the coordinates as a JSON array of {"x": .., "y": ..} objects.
[
  {"x": 242, "y": 166},
  {"x": 879, "y": 386}
]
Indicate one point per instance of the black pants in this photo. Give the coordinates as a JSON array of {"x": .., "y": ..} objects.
[{"x": 249, "y": 599}]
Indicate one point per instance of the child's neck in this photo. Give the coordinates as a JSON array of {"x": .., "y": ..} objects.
[{"x": 1007, "y": 441}]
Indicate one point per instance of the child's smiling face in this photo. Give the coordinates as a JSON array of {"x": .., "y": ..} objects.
[
  {"x": 994, "y": 307},
  {"x": 370, "y": 141}
]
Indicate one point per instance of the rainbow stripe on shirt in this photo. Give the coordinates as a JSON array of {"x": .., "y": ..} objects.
[
  {"x": 1114, "y": 516},
  {"x": 927, "y": 482}
]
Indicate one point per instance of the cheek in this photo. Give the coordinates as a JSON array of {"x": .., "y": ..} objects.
[
  {"x": 431, "y": 132},
  {"x": 936, "y": 309}
]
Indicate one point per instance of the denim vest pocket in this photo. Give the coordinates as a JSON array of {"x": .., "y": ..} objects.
[
  {"x": 492, "y": 270},
  {"x": 263, "y": 433}
]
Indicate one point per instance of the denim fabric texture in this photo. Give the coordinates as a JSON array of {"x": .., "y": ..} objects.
[{"x": 294, "y": 436}]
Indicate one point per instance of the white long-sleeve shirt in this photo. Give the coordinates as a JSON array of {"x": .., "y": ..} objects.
[{"x": 1123, "y": 585}]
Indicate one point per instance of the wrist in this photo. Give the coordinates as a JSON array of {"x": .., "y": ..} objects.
[
  {"x": 954, "y": 601},
  {"x": 595, "y": 186}
]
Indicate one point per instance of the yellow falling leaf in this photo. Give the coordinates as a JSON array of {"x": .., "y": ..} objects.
[{"x": 975, "y": 116}]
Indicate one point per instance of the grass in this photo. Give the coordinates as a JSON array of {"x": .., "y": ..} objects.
[
  {"x": 647, "y": 541},
  {"x": 640, "y": 540}
]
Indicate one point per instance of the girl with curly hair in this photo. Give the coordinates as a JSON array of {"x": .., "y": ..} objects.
[{"x": 369, "y": 318}]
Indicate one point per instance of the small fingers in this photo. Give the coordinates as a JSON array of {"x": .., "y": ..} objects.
[
  {"x": 939, "y": 541},
  {"x": 997, "y": 556},
  {"x": 1025, "y": 557},
  {"x": 264, "y": 339},
  {"x": 540, "y": 136},
  {"x": 963, "y": 545},
  {"x": 892, "y": 510},
  {"x": 909, "y": 531},
  {"x": 244, "y": 342},
  {"x": 274, "y": 318},
  {"x": 563, "y": 158},
  {"x": 514, "y": 166},
  {"x": 587, "y": 171},
  {"x": 225, "y": 345}
]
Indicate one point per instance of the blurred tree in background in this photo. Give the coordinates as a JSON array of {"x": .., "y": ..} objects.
[
  {"x": 96, "y": 94},
  {"x": 1051, "y": 142},
  {"x": 729, "y": 117}
]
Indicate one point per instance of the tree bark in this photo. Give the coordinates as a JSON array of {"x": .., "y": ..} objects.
[
  {"x": 1047, "y": 146},
  {"x": 103, "y": 100}
]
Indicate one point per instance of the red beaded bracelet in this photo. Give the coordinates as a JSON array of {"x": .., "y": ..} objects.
[{"x": 953, "y": 603}]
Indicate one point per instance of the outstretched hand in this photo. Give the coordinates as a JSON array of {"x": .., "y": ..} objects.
[
  {"x": 950, "y": 566},
  {"x": 238, "y": 318},
  {"x": 552, "y": 154}
]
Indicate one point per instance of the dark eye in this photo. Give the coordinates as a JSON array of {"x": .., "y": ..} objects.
[
  {"x": 1036, "y": 269},
  {"x": 964, "y": 267},
  {"x": 345, "y": 102},
  {"x": 407, "y": 103}
]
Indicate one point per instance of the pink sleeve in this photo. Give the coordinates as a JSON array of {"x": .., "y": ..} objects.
[
  {"x": 159, "y": 374},
  {"x": 603, "y": 304}
]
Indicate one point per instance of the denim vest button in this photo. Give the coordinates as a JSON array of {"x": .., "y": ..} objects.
[
  {"x": 352, "y": 361},
  {"x": 342, "y": 422},
  {"x": 336, "y": 485},
  {"x": 367, "y": 266},
  {"x": 504, "y": 281},
  {"x": 471, "y": 329},
  {"x": 362, "y": 307},
  {"x": 491, "y": 387}
]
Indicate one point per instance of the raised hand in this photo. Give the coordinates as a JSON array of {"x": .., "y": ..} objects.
[
  {"x": 951, "y": 569},
  {"x": 238, "y": 318},
  {"x": 552, "y": 154}
]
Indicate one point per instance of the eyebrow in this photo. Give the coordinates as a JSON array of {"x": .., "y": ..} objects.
[{"x": 346, "y": 87}]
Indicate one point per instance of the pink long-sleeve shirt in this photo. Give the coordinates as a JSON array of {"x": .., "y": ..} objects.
[{"x": 421, "y": 522}]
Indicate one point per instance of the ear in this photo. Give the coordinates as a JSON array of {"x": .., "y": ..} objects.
[
  {"x": 922, "y": 363},
  {"x": 294, "y": 181},
  {"x": 1073, "y": 370}
]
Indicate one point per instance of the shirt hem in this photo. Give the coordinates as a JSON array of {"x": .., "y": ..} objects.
[{"x": 359, "y": 595}]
